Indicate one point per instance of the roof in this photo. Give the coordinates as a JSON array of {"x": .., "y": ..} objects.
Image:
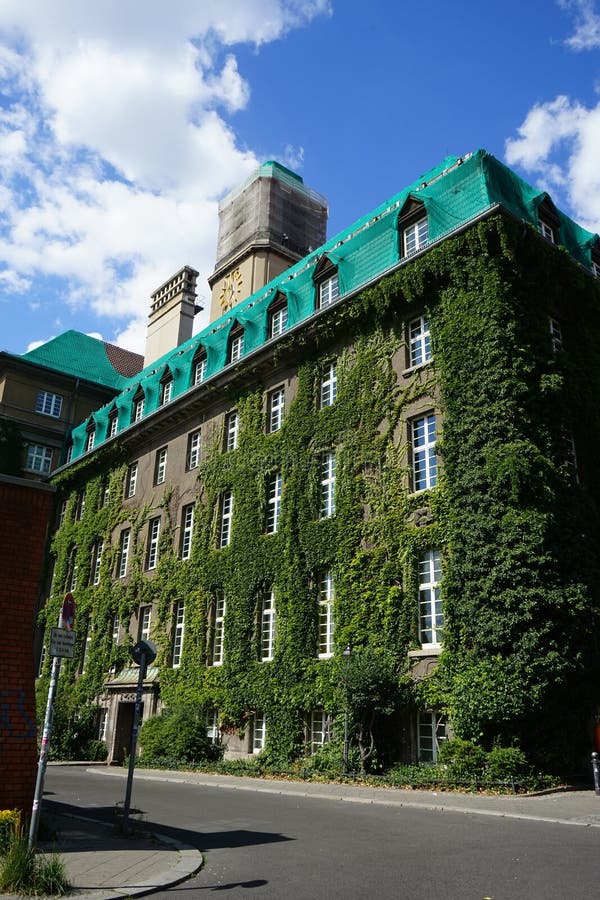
[
  {"x": 454, "y": 193},
  {"x": 82, "y": 356}
]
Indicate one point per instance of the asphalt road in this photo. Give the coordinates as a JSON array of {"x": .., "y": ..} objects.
[{"x": 296, "y": 848}]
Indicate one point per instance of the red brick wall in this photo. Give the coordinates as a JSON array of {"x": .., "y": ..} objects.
[{"x": 24, "y": 513}]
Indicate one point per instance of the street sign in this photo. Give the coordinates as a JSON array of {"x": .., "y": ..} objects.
[
  {"x": 62, "y": 643},
  {"x": 68, "y": 612}
]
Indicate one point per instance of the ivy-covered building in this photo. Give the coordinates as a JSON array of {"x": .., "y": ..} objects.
[{"x": 389, "y": 448}]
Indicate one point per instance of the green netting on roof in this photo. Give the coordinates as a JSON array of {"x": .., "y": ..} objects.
[
  {"x": 453, "y": 193},
  {"x": 79, "y": 355}
]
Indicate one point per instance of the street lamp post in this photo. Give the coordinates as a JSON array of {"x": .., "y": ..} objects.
[{"x": 347, "y": 653}]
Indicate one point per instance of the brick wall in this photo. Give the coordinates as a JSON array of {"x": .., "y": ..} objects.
[{"x": 25, "y": 508}]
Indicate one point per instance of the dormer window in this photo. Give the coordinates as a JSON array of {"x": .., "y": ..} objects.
[
  {"x": 596, "y": 259},
  {"x": 90, "y": 438},
  {"x": 326, "y": 283},
  {"x": 546, "y": 230},
  {"x": 199, "y": 365},
  {"x": 113, "y": 422},
  {"x": 235, "y": 347},
  {"x": 137, "y": 410},
  {"x": 413, "y": 227},
  {"x": 278, "y": 316},
  {"x": 548, "y": 221},
  {"x": 166, "y": 388}
]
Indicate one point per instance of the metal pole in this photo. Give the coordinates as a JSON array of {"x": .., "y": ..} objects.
[
  {"x": 134, "y": 734},
  {"x": 596, "y": 769},
  {"x": 346, "y": 736},
  {"x": 48, "y": 721}
]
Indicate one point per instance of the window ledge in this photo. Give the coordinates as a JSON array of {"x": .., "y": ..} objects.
[
  {"x": 410, "y": 370},
  {"x": 432, "y": 650}
]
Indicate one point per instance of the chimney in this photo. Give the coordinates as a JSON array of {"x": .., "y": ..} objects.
[{"x": 172, "y": 312}]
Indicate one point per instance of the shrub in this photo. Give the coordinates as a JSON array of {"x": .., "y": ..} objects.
[
  {"x": 10, "y": 820},
  {"x": 95, "y": 751},
  {"x": 464, "y": 759},
  {"x": 503, "y": 763},
  {"x": 178, "y": 733}
]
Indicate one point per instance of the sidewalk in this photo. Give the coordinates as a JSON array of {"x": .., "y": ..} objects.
[{"x": 101, "y": 865}]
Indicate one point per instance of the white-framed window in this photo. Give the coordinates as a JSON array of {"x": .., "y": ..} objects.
[
  {"x": 160, "y": 466},
  {"x": 49, "y": 404},
  {"x": 132, "y": 471},
  {"x": 63, "y": 512},
  {"x": 419, "y": 341},
  {"x": 236, "y": 346},
  {"x": 80, "y": 505},
  {"x": 194, "y": 445},
  {"x": 571, "y": 453},
  {"x": 166, "y": 391},
  {"x": 259, "y": 732},
  {"x": 319, "y": 727},
  {"x": 327, "y": 484},
  {"x": 39, "y": 458},
  {"x": 153, "y": 536},
  {"x": 218, "y": 650},
  {"x": 212, "y": 725},
  {"x": 431, "y": 732},
  {"x": 69, "y": 455},
  {"x": 124, "y": 545},
  {"x": 278, "y": 318},
  {"x": 328, "y": 386},
  {"x": 596, "y": 268},
  {"x": 267, "y": 627},
  {"x": 274, "y": 485},
  {"x": 72, "y": 571},
  {"x": 226, "y": 516},
  {"x": 98, "y": 551},
  {"x": 105, "y": 493},
  {"x": 116, "y": 629},
  {"x": 431, "y": 618},
  {"x": 556, "y": 337},
  {"x": 546, "y": 230},
  {"x": 113, "y": 424},
  {"x": 187, "y": 530},
  {"x": 137, "y": 411},
  {"x": 275, "y": 409},
  {"x": 200, "y": 365},
  {"x": 86, "y": 649},
  {"x": 42, "y": 657},
  {"x": 90, "y": 439},
  {"x": 145, "y": 619},
  {"x": 424, "y": 458},
  {"x": 232, "y": 426},
  {"x": 326, "y": 625},
  {"x": 415, "y": 236},
  {"x": 328, "y": 291},
  {"x": 179, "y": 626}
]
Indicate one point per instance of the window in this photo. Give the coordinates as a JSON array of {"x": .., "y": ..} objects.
[
  {"x": 431, "y": 619},
  {"x": 419, "y": 341},
  {"x": 49, "y": 404},
  {"x": 555, "y": 335},
  {"x": 226, "y": 515},
  {"x": 275, "y": 408},
  {"x": 69, "y": 453},
  {"x": 80, "y": 505},
  {"x": 327, "y": 484},
  {"x": 259, "y": 732},
  {"x": 131, "y": 481},
  {"x": 267, "y": 627},
  {"x": 63, "y": 512},
  {"x": 124, "y": 544},
  {"x": 137, "y": 410},
  {"x": 278, "y": 316},
  {"x": 193, "y": 453},
  {"x": 571, "y": 454},
  {"x": 232, "y": 424},
  {"x": 42, "y": 657},
  {"x": 546, "y": 230},
  {"x": 217, "y": 654},
  {"x": 160, "y": 466},
  {"x": 71, "y": 582},
  {"x": 596, "y": 268},
  {"x": 319, "y": 729},
  {"x": 212, "y": 725},
  {"x": 328, "y": 291},
  {"x": 39, "y": 458},
  {"x": 97, "y": 560},
  {"x": 199, "y": 366},
  {"x": 86, "y": 649},
  {"x": 144, "y": 627},
  {"x": 116, "y": 627},
  {"x": 179, "y": 621},
  {"x": 325, "y": 615},
  {"x": 236, "y": 344},
  {"x": 328, "y": 388},
  {"x": 273, "y": 502},
  {"x": 90, "y": 438},
  {"x": 431, "y": 733},
  {"x": 166, "y": 390},
  {"x": 113, "y": 423},
  {"x": 187, "y": 530},
  {"x": 104, "y": 493},
  {"x": 548, "y": 220},
  {"x": 424, "y": 458},
  {"x": 153, "y": 536},
  {"x": 415, "y": 236}
]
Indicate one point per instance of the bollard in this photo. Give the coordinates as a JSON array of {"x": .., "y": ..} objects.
[{"x": 596, "y": 768}]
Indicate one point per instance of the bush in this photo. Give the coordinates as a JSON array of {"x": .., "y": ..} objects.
[
  {"x": 178, "y": 733},
  {"x": 10, "y": 821},
  {"x": 503, "y": 763},
  {"x": 464, "y": 759},
  {"x": 95, "y": 751}
]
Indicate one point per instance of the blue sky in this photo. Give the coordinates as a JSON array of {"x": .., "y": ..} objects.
[{"x": 123, "y": 124}]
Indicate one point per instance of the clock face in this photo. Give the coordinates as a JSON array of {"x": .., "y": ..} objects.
[{"x": 230, "y": 290}]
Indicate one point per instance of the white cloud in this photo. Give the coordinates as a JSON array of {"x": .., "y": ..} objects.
[
  {"x": 113, "y": 146},
  {"x": 587, "y": 25}
]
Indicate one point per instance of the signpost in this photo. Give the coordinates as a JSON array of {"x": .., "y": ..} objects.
[
  {"x": 144, "y": 653},
  {"x": 62, "y": 646}
]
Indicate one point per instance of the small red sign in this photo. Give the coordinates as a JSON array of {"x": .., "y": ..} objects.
[{"x": 68, "y": 612}]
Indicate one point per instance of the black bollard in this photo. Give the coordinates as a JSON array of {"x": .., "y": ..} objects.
[{"x": 596, "y": 768}]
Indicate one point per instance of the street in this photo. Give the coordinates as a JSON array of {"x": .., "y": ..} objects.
[{"x": 300, "y": 847}]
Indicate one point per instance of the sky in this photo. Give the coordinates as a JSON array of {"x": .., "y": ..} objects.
[{"x": 123, "y": 123}]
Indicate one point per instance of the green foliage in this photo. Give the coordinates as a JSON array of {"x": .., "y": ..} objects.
[
  {"x": 23, "y": 871},
  {"x": 464, "y": 759},
  {"x": 502, "y": 763},
  {"x": 179, "y": 733},
  {"x": 10, "y": 822}
]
